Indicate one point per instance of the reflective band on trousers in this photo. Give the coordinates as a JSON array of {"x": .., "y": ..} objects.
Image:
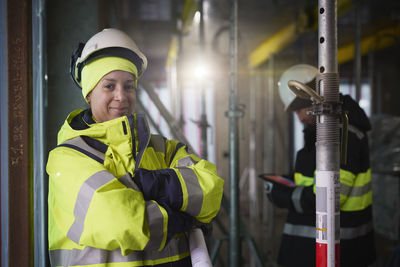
[
  {"x": 195, "y": 193},
  {"x": 89, "y": 255},
  {"x": 83, "y": 200},
  {"x": 299, "y": 230},
  {"x": 310, "y": 231},
  {"x": 354, "y": 232}
]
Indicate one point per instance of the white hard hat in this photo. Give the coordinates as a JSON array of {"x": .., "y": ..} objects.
[
  {"x": 108, "y": 42},
  {"x": 303, "y": 73}
]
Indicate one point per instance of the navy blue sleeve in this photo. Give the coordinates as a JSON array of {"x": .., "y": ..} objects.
[
  {"x": 164, "y": 187},
  {"x": 161, "y": 185}
]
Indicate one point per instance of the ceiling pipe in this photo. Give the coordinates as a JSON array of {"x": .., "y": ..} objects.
[
  {"x": 290, "y": 33},
  {"x": 380, "y": 40},
  {"x": 189, "y": 10}
]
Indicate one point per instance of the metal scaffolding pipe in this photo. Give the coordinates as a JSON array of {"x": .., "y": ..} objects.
[
  {"x": 252, "y": 192},
  {"x": 328, "y": 144},
  {"x": 172, "y": 123},
  {"x": 180, "y": 80},
  {"x": 371, "y": 81},
  {"x": 357, "y": 52},
  {"x": 269, "y": 143},
  {"x": 139, "y": 103},
  {"x": 203, "y": 124},
  {"x": 225, "y": 203},
  {"x": 40, "y": 184},
  {"x": 233, "y": 114}
]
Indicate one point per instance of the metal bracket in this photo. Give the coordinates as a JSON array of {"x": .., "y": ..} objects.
[
  {"x": 335, "y": 108},
  {"x": 201, "y": 123},
  {"x": 327, "y": 108},
  {"x": 238, "y": 112}
]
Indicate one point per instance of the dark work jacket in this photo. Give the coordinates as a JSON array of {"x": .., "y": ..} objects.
[{"x": 357, "y": 246}]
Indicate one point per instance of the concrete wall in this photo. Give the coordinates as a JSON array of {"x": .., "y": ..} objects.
[{"x": 68, "y": 23}]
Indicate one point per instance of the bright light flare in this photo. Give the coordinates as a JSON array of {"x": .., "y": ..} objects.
[
  {"x": 196, "y": 18},
  {"x": 200, "y": 71}
]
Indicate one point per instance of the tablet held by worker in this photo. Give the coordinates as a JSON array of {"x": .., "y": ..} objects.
[{"x": 277, "y": 179}]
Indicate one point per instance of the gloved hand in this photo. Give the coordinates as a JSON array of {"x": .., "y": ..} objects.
[
  {"x": 161, "y": 185},
  {"x": 279, "y": 194}
]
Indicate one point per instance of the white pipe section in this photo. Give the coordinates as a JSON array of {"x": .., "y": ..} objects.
[{"x": 198, "y": 249}]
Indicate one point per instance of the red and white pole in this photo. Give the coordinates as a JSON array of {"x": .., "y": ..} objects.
[
  {"x": 327, "y": 219},
  {"x": 328, "y": 140}
]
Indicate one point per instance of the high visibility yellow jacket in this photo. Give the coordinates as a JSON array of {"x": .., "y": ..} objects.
[{"x": 98, "y": 215}]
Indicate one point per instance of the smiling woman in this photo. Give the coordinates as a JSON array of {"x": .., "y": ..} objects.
[
  {"x": 114, "y": 96},
  {"x": 119, "y": 195}
]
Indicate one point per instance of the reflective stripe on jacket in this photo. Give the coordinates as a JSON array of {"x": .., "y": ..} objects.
[
  {"x": 355, "y": 189},
  {"x": 97, "y": 214}
]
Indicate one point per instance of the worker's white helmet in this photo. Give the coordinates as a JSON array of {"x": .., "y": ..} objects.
[
  {"x": 303, "y": 73},
  {"x": 108, "y": 42}
]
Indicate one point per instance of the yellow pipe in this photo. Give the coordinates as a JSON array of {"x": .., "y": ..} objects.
[
  {"x": 189, "y": 9},
  {"x": 280, "y": 39},
  {"x": 289, "y": 34},
  {"x": 343, "y": 6},
  {"x": 172, "y": 51},
  {"x": 382, "y": 39}
]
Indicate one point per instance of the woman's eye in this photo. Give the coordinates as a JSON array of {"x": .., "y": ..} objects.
[
  {"x": 130, "y": 87},
  {"x": 109, "y": 86}
]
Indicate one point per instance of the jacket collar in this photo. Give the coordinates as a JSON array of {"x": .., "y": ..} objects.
[
  {"x": 143, "y": 135},
  {"x": 80, "y": 123}
]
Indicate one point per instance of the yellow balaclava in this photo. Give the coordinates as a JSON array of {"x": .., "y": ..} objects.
[{"x": 93, "y": 72}]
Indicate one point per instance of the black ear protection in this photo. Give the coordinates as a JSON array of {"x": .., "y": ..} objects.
[{"x": 74, "y": 70}]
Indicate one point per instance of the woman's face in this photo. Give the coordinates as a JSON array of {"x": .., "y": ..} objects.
[
  {"x": 114, "y": 96},
  {"x": 308, "y": 119}
]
